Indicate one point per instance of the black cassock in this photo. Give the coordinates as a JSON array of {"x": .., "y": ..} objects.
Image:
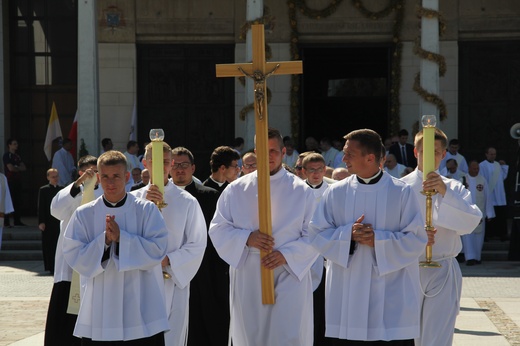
[
  {"x": 52, "y": 225},
  {"x": 209, "y": 289}
]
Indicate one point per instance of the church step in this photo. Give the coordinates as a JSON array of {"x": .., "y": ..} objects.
[
  {"x": 22, "y": 233},
  {"x": 499, "y": 255},
  {"x": 496, "y": 246},
  {"x": 22, "y": 245},
  {"x": 20, "y": 255}
]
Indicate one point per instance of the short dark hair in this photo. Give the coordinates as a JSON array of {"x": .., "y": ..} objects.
[
  {"x": 130, "y": 144},
  {"x": 183, "y": 151},
  {"x": 65, "y": 141},
  {"x": 85, "y": 161},
  {"x": 238, "y": 141},
  {"x": 403, "y": 132},
  {"x": 274, "y": 133},
  {"x": 369, "y": 140},
  {"x": 105, "y": 141},
  {"x": 454, "y": 141},
  {"x": 222, "y": 155},
  {"x": 452, "y": 160},
  {"x": 10, "y": 140}
]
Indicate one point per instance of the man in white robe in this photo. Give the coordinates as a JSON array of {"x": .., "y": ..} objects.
[
  {"x": 393, "y": 168},
  {"x": 369, "y": 229},
  {"x": 454, "y": 214},
  {"x": 453, "y": 153},
  {"x": 186, "y": 243},
  {"x": 64, "y": 163},
  {"x": 59, "y": 326},
  {"x": 116, "y": 243},
  {"x": 473, "y": 242},
  {"x": 495, "y": 173},
  {"x": 314, "y": 167},
  {"x": 235, "y": 234},
  {"x": 6, "y": 204}
]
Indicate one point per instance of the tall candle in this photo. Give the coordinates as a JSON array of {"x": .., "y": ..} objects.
[
  {"x": 157, "y": 136},
  {"x": 428, "y": 164}
]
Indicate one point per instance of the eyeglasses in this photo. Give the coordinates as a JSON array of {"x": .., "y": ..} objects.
[
  {"x": 182, "y": 165},
  {"x": 251, "y": 166},
  {"x": 298, "y": 168},
  {"x": 315, "y": 170}
]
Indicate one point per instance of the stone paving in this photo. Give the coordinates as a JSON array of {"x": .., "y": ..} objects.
[{"x": 489, "y": 316}]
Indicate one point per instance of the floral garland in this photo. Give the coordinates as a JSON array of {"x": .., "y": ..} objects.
[
  {"x": 396, "y": 6},
  {"x": 431, "y": 56}
]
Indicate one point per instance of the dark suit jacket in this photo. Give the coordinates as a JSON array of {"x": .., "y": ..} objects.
[
  {"x": 210, "y": 183},
  {"x": 137, "y": 186},
  {"x": 396, "y": 150}
]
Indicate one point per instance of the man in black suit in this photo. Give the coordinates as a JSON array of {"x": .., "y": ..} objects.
[
  {"x": 145, "y": 178},
  {"x": 224, "y": 168},
  {"x": 403, "y": 151},
  {"x": 48, "y": 224},
  {"x": 209, "y": 289}
]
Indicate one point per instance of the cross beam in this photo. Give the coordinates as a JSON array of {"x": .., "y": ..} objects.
[{"x": 259, "y": 70}]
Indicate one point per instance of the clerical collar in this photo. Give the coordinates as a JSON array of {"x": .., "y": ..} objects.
[
  {"x": 116, "y": 204},
  {"x": 372, "y": 180},
  {"x": 217, "y": 182},
  {"x": 314, "y": 186}
]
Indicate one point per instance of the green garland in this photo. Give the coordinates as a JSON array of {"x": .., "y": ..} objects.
[
  {"x": 433, "y": 57},
  {"x": 397, "y": 6}
]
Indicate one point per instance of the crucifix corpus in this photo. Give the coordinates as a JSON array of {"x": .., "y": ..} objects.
[{"x": 259, "y": 70}]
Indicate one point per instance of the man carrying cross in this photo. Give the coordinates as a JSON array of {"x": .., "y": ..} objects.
[{"x": 235, "y": 234}]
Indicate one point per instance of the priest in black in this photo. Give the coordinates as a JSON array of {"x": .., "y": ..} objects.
[
  {"x": 224, "y": 168},
  {"x": 48, "y": 224}
]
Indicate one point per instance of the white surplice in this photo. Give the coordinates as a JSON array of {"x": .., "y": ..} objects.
[
  {"x": 6, "y": 204},
  {"x": 474, "y": 241},
  {"x": 186, "y": 244},
  {"x": 290, "y": 320},
  {"x": 495, "y": 174},
  {"x": 453, "y": 215},
  {"x": 372, "y": 294},
  {"x": 122, "y": 297},
  {"x": 63, "y": 205}
]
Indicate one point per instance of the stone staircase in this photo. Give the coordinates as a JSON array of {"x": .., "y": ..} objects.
[
  {"x": 22, "y": 243},
  {"x": 495, "y": 250}
]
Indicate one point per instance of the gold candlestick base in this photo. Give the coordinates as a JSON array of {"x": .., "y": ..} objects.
[
  {"x": 161, "y": 205},
  {"x": 428, "y": 263}
]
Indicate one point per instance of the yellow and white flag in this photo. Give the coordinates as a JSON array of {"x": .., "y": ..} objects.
[{"x": 53, "y": 132}]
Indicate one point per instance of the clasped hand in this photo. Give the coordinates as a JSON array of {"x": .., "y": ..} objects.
[
  {"x": 111, "y": 230},
  {"x": 265, "y": 242},
  {"x": 363, "y": 233}
]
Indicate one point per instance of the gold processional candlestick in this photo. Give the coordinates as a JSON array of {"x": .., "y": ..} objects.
[
  {"x": 429, "y": 122},
  {"x": 157, "y": 137}
]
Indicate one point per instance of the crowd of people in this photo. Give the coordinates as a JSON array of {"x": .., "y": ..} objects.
[{"x": 347, "y": 236}]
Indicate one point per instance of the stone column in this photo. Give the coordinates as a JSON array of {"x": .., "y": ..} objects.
[
  {"x": 255, "y": 9},
  {"x": 429, "y": 69},
  {"x": 3, "y": 120},
  {"x": 88, "y": 86}
]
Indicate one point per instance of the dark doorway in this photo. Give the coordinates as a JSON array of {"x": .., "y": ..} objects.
[
  {"x": 178, "y": 92},
  {"x": 344, "y": 89},
  {"x": 489, "y": 80}
]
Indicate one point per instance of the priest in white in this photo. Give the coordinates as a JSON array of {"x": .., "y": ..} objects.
[
  {"x": 454, "y": 214},
  {"x": 64, "y": 163},
  {"x": 369, "y": 229},
  {"x": 495, "y": 172},
  {"x": 473, "y": 242},
  {"x": 116, "y": 243},
  {"x": 235, "y": 234},
  {"x": 59, "y": 326},
  {"x": 186, "y": 244}
]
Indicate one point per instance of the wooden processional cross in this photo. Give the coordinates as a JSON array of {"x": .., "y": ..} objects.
[{"x": 259, "y": 70}]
